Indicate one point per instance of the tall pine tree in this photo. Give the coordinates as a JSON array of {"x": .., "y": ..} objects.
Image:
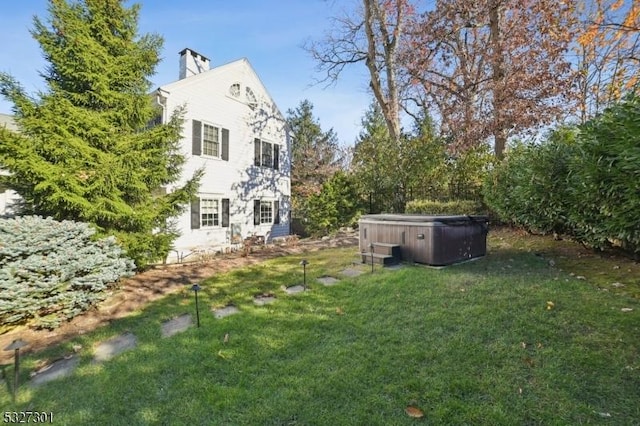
[
  {"x": 315, "y": 156},
  {"x": 85, "y": 151}
]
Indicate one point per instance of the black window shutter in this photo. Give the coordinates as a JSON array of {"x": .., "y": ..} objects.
[
  {"x": 196, "y": 141},
  {"x": 256, "y": 149},
  {"x": 195, "y": 213},
  {"x": 256, "y": 212},
  {"x": 225, "y": 212},
  {"x": 276, "y": 156},
  {"x": 225, "y": 144},
  {"x": 276, "y": 212}
]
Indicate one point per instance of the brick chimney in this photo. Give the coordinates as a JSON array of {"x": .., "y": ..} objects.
[{"x": 192, "y": 63}]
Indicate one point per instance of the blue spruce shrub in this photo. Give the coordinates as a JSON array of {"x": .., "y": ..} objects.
[{"x": 51, "y": 271}]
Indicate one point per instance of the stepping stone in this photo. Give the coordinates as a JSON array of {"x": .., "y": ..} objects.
[
  {"x": 350, "y": 272},
  {"x": 57, "y": 369},
  {"x": 264, "y": 299},
  {"x": 294, "y": 289},
  {"x": 328, "y": 280},
  {"x": 115, "y": 346},
  {"x": 225, "y": 312},
  {"x": 176, "y": 325},
  {"x": 394, "y": 267}
]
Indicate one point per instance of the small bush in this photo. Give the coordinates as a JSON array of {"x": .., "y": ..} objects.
[
  {"x": 51, "y": 271},
  {"x": 337, "y": 205},
  {"x": 458, "y": 207}
]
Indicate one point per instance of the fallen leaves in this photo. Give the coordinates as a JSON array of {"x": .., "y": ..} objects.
[
  {"x": 339, "y": 311},
  {"x": 550, "y": 305},
  {"x": 528, "y": 361},
  {"x": 414, "y": 412},
  {"x": 224, "y": 354}
]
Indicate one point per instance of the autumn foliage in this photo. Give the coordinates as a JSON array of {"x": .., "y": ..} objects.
[{"x": 491, "y": 68}]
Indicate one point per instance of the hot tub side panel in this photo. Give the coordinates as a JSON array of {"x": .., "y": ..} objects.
[
  {"x": 432, "y": 243},
  {"x": 380, "y": 232},
  {"x": 411, "y": 238}
]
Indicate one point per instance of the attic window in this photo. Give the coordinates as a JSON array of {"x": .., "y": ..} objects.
[
  {"x": 234, "y": 90},
  {"x": 251, "y": 98}
]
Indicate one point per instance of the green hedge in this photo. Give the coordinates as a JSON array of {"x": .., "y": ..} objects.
[
  {"x": 51, "y": 271},
  {"x": 529, "y": 187},
  {"x": 444, "y": 207},
  {"x": 605, "y": 179},
  {"x": 582, "y": 181}
]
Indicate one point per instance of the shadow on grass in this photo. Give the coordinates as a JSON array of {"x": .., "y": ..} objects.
[{"x": 472, "y": 343}]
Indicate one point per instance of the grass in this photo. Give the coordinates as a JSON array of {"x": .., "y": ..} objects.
[{"x": 467, "y": 344}]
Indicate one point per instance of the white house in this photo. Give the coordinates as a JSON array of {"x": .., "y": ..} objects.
[
  {"x": 235, "y": 132},
  {"x": 8, "y": 197}
]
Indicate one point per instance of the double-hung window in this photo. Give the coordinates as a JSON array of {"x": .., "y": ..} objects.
[
  {"x": 266, "y": 154},
  {"x": 209, "y": 212},
  {"x": 210, "y": 140},
  {"x": 266, "y": 212}
]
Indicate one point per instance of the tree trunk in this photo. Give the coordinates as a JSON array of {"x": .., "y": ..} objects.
[
  {"x": 387, "y": 97},
  {"x": 499, "y": 126}
]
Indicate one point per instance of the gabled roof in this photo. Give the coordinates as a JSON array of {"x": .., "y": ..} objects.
[{"x": 211, "y": 73}]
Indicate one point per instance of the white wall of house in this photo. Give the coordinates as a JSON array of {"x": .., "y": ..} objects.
[
  {"x": 8, "y": 197},
  {"x": 231, "y": 103}
]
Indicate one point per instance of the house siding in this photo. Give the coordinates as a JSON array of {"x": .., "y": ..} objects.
[
  {"x": 8, "y": 198},
  {"x": 233, "y": 176},
  {"x": 207, "y": 100}
]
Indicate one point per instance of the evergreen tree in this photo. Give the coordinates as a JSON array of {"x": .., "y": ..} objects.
[
  {"x": 85, "y": 151},
  {"x": 390, "y": 173},
  {"x": 374, "y": 161},
  {"x": 314, "y": 156},
  {"x": 337, "y": 205}
]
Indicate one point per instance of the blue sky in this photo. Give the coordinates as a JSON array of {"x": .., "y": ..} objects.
[{"x": 269, "y": 33}]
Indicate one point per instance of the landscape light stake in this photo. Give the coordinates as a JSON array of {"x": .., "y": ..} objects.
[
  {"x": 371, "y": 248},
  {"x": 15, "y": 346},
  {"x": 304, "y": 264},
  {"x": 195, "y": 289}
]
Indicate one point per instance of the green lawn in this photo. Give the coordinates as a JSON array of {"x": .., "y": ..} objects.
[{"x": 467, "y": 344}]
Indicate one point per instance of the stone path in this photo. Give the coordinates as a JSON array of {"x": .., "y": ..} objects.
[
  {"x": 225, "y": 312},
  {"x": 59, "y": 368},
  {"x": 176, "y": 325},
  {"x": 351, "y": 272},
  {"x": 328, "y": 281},
  {"x": 115, "y": 346},
  {"x": 264, "y": 299},
  {"x": 110, "y": 348},
  {"x": 294, "y": 289}
]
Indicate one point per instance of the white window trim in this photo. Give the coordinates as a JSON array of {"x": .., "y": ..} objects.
[
  {"x": 235, "y": 96},
  {"x": 270, "y": 204},
  {"x": 248, "y": 93},
  {"x": 202, "y": 140},
  {"x": 218, "y": 200},
  {"x": 272, "y": 144}
]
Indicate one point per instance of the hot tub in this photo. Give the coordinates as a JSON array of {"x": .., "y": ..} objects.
[{"x": 432, "y": 240}]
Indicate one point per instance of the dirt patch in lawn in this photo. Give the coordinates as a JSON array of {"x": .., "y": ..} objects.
[{"x": 137, "y": 291}]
